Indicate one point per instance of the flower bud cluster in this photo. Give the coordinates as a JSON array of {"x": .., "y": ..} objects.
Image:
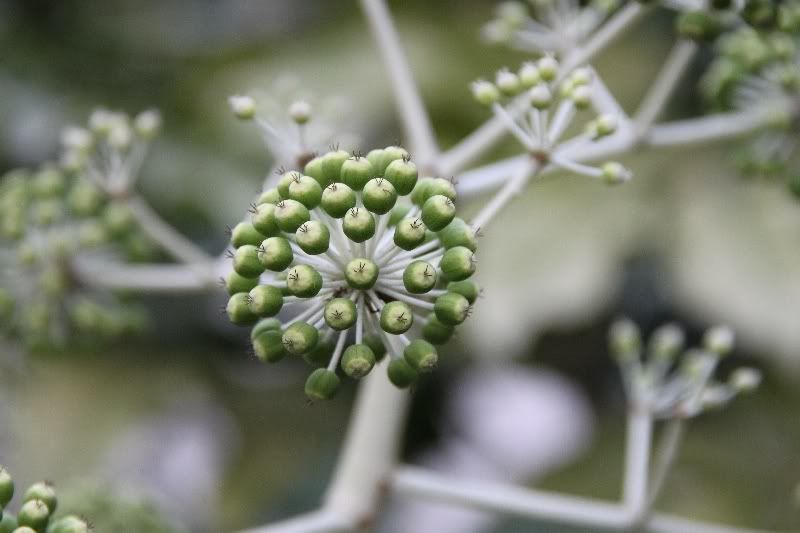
[
  {"x": 671, "y": 381},
  {"x": 369, "y": 258},
  {"x": 36, "y": 510}
]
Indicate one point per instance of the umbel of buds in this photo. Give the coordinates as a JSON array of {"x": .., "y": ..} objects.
[
  {"x": 35, "y": 514},
  {"x": 369, "y": 258}
]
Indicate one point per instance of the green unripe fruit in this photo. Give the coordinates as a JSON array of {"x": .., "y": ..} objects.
[
  {"x": 379, "y": 196},
  {"x": 451, "y": 308},
  {"x": 458, "y": 263},
  {"x": 290, "y": 214},
  {"x": 91, "y": 234},
  {"x": 698, "y": 25},
  {"x": 358, "y": 360},
  {"x": 421, "y": 355},
  {"x": 420, "y": 192},
  {"x": 321, "y": 354},
  {"x": 314, "y": 169},
  {"x": 238, "y": 309},
  {"x": 49, "y": 182},
  {"x": 264, "y": 221},
  {"x": 356, "y": 172},
  {"x": 270, "y": 196},
  {"x": 338, "y": 199},
  {"x": 85, "y": 199},
  {"x": 361, "y": 273},
  {"x": 42, "y": 491},
  {"x": 419, "y": 277},
  {"x": 69, "y": 524},
  {"x": 440, "y": 186},
  {"x": 118, "y": 218},
  {"x": 285, "y": 182},
  {"x": 340, "y": 313},
  {"x": 390, "y": 154},
  {"x": 303, "y": 281},
  {"x": 358, "y": 224},
  {"x": 402, "y": 173},
  {"x": 436, "y": 332},
  {"x": 8, "y": 523},
  {"x": 6, "y": 487},
  {"x": 375, "y": 344},
  {"x": 276, "y": 254},
  {"x": 468, "y": 289},
  {"x": 265, "y": 324},
  {"x": 396, "y": 318},
  {"x": 438, "y": 211},
  {"x": 25, "y": 529},
  {"x": 300, "y": 338},
  {"x": 375, "y": 158},
  {"x": 246, "y": 261},
  {"x": 322, "y": 384},
  {"x": 235, "y": 282},
  {"x": 244, "y": 233},
  {"x": 313, "y": 237},
  {"x": 268, "y": 346},
  {"x": 458, "y": 233},
  {"x": 401, "y": 374},
  {"x": 399, "y": 211},
  {"x": 332, "y": 166},
  {"x": 306, "y": 190},
  {"x": 409, "y": 233},
  {"x": 265, "y": 300},
  {"x": 35, "y": 514},
  {"x": 47, "y": 212}
]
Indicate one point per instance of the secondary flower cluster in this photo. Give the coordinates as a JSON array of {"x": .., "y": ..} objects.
[
  {"x": 670, "y": 385},
  {"x": 35, "y": 514},
  {"x": 374, "y": 258}
]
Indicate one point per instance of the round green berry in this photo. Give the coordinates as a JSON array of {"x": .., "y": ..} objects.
[
  {"x": 49, "y": 182},
  {"x": 276, "y": 254},
  {"x": 375, "y": 158},
  {"x": 435, "y": 331},
  {"x": 44, "y": 491},
  {"x": 361, "y": 273},
  {"x": 6, "y": 487},
  {"x": 265, "y": 324},
  {"x": 244, "y": 233},
  {"x": 322, "y": 384},
  {"x": 338, "y": 199},
  {"x": 305, "y": 190},
  {"x": 438, "y": 211},
  {"x": 268, "y": 346},
  {"x": 401, "y": 374},
  {"x": 402, "y": 173},
  {"x": 264, "y": 221},
  {"x": 85, "y": 199},
  {"x": 118, "y": 218},
  {"x": 379, "y": 196},
  {"x": 265, "y": 300},
  {"x": 69, "y": 524},
  {"x": 313, "y": 237},
  {"x": 300, "y": 338},
  {"x": 458, "y": 263},
  {"x": 321, "y": 354},
  {"x": 451, "y": 308},
  {"x": 420, "y": 192},
  {"x": 290, "y": 214},
  {"x": 458, "y": 233},
  {"x": 25, "y": 529},
  {"x": 396, "y": 318},
  {"x": 285, "y": 182},
  {"x": 388, "y": 155},
  {"x": 8, "y": 523},
  {"x": 419, "y": 277},
  {"x": 340, "y": 313},
  {"x": 332, "y": 165},
  {"x": 270, "y": 196},
  {"x": 376, "y": 345},
  {"x": 399, "y": 211},
  {"x": 466, "y": 288},
  {"x": 34, "y": 514},
  {"x": 92, "y": 233},
  {"x": 409, "y": 233},
  {"x": 356, "y": 171},
  {"x": 238, "y": 309},
  {"x": 358, "y": 360},
  {"x": 303, "y": 281},
  {"x": 314, "y": 169},
  {"x": 421, "y": 355},
  {"x": 246, "y": 261},
  {"x": 358, "y": 224},
  {"x": 47, "y": 212}
]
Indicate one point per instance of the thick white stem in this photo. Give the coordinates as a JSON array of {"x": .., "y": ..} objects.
[
  {"x": 668, "y": 447},
  {"x": 637, "y": 460},
  {"x": 320, "y": 521},
  {"x": 111, "y": 275},
  {"x": 706, "y": 129}
]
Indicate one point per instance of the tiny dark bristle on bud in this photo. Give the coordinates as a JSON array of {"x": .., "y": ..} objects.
[{"x": 280, "y": 170}]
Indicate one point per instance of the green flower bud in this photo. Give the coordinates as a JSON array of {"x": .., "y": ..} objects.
[
  {"x": 745, "y": 379},
  {"x": 432, "y": 187},
  {"x": 379, "y": 195},
  {"x": 265, "y": 324},
  {"x": 402, "y": 173},
  {"x": 357, "y": 360},
  {"x": 581, "y": 96},
  {"x": 246, "y": 261},
  {"x": 332, "y": 166},
  {"x": 69, "y": 524},
  {"x": 409, "y": 233},
  {"x": 697, "y": 25},
  {"x": 43, "y": 491},
  {"x": 321, "y": 354},
  {"x": 458, "y": 233},
  {"x": 49, "y": 182},
  {"x": 300, "y": 338},
  {"x": 118, "y": 218},
  {"x": 290, "y": 214},
  {"x": 529, "y": 75},
  {"x": 47, "y": 212},
  {"x": 451, "y": 308},
  {"x": 91, "y": 234},
  {"x": 625, "y": 340},
  {"x": 322, "y": 384},
  {"x": 375, "y": 158},
  {"x": 338, "y": 199},
  {"x": 244, "y": 233},
  {"x": 235, "y": 282},
  {"x": 314, "y": 169},
  {"x": 361, "y": 273},
  {"x": 667, "y": 341},
  {"x": 458, "y": 263},
  {"x": 389, "y": 154},
  {"x": 6, "y": 487},
  {"x": 719, "y": 340},
  {"x": 356, "y": 172},
  {"x": 313, "y": 237},
  {"x": 270, "y": 196},
  {"x": 285, "y": 181},
  {"x": 614, "y": 173},
  {"x": 85, "y": 199},
  {"x": 358, "y": 224},
  {"x": 147, "y": 123},
  {"x": 34, "y": 514},
  {"x": 376, "y": 345},
  {"x": 265, "y": 300},
  {"x": 303, "y": 281},
  {"x": 268, "y": 346},
  {"x": 305, "y": 190},
  {"x": 508, "y": 82},
  {"x": 263, "y": 220},
  {"x": 437, "y": 212},
  {"x": 340, "y": 313},
  {"x": 435, "y": 331},
  {"x": 467, "y": 288},
  {"x": 238, "y": 310},
  {"x": 396, "y": 318},
  {"x": 276, "y": 254},
  {"x": 421, "y": 356},
  {"x": 244, "y": 107},
  {"x": 540, "y": 96},
  {"x": 419, "y": 277},
  {"x": 548, "y": 68},
  {"x": 485, "y": 93},
  {"x": 300, "y": 111},
  {"x": 401, "y": 374}
]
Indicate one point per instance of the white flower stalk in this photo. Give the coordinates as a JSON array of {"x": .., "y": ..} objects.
[{"x": 371, "y": 273}]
